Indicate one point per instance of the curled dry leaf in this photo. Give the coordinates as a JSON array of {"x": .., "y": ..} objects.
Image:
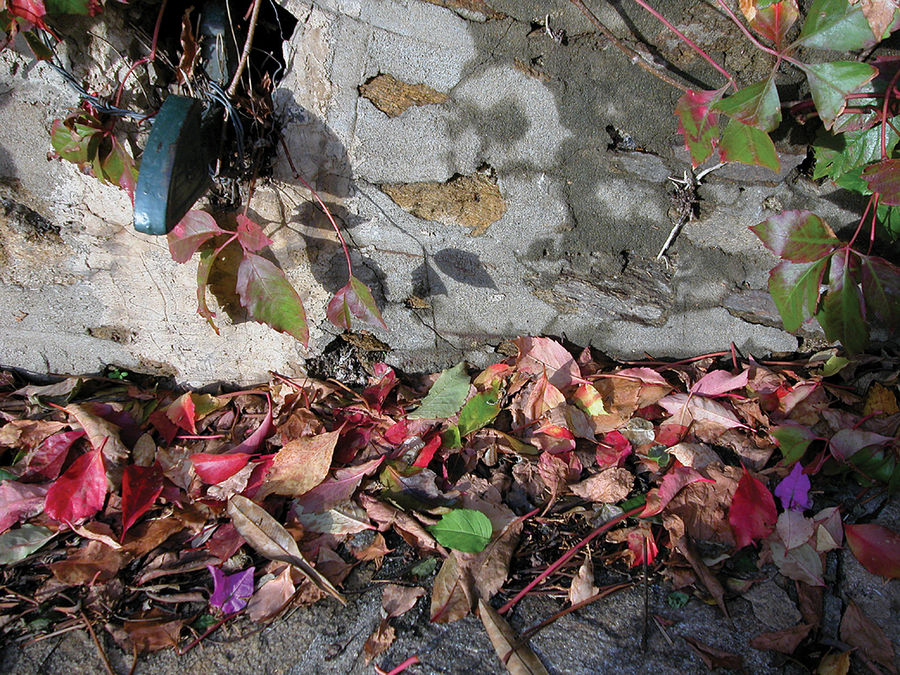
[
  {"x": 607, "y": 487},
  {"x": 582, "y": 586},
  {"x": 271, "y": 539},
  {"x": 519, "y": 660}
]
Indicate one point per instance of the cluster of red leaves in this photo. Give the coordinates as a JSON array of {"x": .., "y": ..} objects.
[{"x": 120, "y": 501}]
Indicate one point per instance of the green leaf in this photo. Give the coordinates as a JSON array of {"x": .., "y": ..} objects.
[
  {"x": 7, "y": 475},
  {"x": 795, "y": 289},
  {"x": 889, "y": 217},
  {"x": 16, "y": 545},
  {"x": 837, "y": 25},
  {"x": 884, "y": 178},
  {"x": 450, "y": 437},
  {"x": 837, "y": 155},
  {"x": 79, "y": 7},
  {"x": 203, "y": 269},
  {"x": 698, "y": 123},
  {"x": 841, "y": 314},
  {"x": 71, "y": 145},
  {"x": 793, "y": 440},
  {"x": 270, "y": 298},
  {"x": 798, "y": 236},
  {"x": 446, "y": 396},
  {"x": 480, "y": 410},
  {"x": 757, "y": 105},
  {"x": 831, "y": 83},
  {"x": 463, "y": 530},
  {"x": 748, "y": 145},
  {"x": 834, "y": 365},
  {"x": 354, "y": 300}
]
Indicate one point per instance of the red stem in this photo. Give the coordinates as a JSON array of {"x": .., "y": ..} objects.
[
  {"x": 571, "y": 552},
  {"x": 884, "y": 113},
  {"x": 411, "y": 661},
  {"x": 756, "y": 43},
  {"x": 690, "y": 43},
  {"x": 147, "y": 59},
  {"x": 873, "y": 200}
]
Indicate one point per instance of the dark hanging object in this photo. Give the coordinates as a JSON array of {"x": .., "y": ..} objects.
[{"x": 174, "y": 168}]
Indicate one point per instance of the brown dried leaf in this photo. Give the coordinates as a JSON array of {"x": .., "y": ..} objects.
[
  {"x": 785, "y": 641},
  {"x": 271, "y": 539},
  {"x": 451, "y": 595},
  {"x": 272, "y": 597},
  {"x": 300, "y": 465},
  {"x": 715, "y": 658},
  {"x": 406, "y": 526},
  {"x": 582, "y": 586},
  {"x": 189, "y": 51},
  {"x": 518, "y": 660},
  {"x": 94, "y": 561},
  {"x": 879, "y": 14},
  {"x": 379, "y": 641},
  {"x": 606, "y": 487},
  {"x": 860, "y": 631},
  {"x": 834, "y": 664},
  {"x": 151, "y": 636},
  {"x": 397, "y": 600},
  {"x": 703, "y": 507}
]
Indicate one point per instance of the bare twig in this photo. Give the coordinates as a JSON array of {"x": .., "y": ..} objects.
[
  {"x": 248, "y": 45},
  {"x": 103, "y": 657}
]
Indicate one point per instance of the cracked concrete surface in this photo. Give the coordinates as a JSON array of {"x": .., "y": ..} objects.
[{"x": 540, "y": 112}]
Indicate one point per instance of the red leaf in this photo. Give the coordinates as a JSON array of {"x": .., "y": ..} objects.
[
  {"x": 80, "y": 492},
  {"x": 30, "y": 10},
  {"x": 141, "y": 486},
  {"x": 250, "y": 235},
  {"x": 752, "y": 514},
  {"x": 884, "y": 178},
  {"x": 269, "y": 297},
  {"x": 48, "y": 458},
  {"x": 642, "y": 546},
  {"x": 354, "y": 300},
  {"x": 426, "y": 454},
  {"x": 253, "y": 441},
  {"x": 774, "y": 21},
  {"x": 191, "y": 232},
  {"x": 18, "y": 501},
  {"x": 612, "y": 450},
  {"x": 876, "y": 547},
  {"x": 182, "y": 413},
  {"x": 214, "y": 469}
]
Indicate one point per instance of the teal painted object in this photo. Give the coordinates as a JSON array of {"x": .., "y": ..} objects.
[{"x": 174, "y": 168}]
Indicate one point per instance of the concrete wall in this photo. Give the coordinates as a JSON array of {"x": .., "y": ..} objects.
[{"x": 492, "y": 206}]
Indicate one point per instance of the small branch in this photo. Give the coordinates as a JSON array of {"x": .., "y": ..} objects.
[
  {"x": 248, "y": 45},
  {"x": 609, "y": 524},
  {"x": 632, "y": 55},
  {"x": 106, "y": 664}
]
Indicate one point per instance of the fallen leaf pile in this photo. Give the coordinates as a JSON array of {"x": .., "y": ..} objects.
[{"x": 158, "y": 515}]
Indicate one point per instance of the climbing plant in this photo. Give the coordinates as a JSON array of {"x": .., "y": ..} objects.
[{"x": 856, "y": 103}]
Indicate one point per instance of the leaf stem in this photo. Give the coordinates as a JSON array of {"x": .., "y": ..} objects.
[
  {"x": 756, "y": 43},
  {"x": 690, "y": 43},
  {"x": 884, "y": 114},
  {"x": 147, "y": 59},
  {"x": 321, "y": 205},
  {"x": 632, "y": 55},
  {"x": 609, "y": 524}
]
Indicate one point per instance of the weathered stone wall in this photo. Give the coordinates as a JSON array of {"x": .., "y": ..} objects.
[{"x": 471, "y": 155}]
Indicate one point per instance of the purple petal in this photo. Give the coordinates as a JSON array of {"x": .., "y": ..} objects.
[
  {"x": 793, "y": 491},
  {"x": 231, "y": 593}
]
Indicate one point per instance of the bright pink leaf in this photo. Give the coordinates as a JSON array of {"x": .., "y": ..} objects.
[
  {"x": 32, "y": 11},
  {"x": 876, "y": 547},
  {"x": 426, "y": 454},
  {"x": 141, "y": 485},
  {"x": 214, "y": 469},
  {"x": 191, "y": 232},
  {"x": 253, "y": 441},
  {"x": 697, "y": 124},
  {"x": 80, "y": 492},
  {"x": 793, "y": 491},
  {"x": 675, "y": 479},
  {"x": 18, "y": 501},
  {"x": 752, "y": 514},
  {"x": 643, "y": 375},
  {"x": 250, "y": 235},
  {"x": 719, "y": 382},
  {"x": 642, "y": 546},
  {"x": 354, "y": 300},
  {"x": 269, "y": 297},
  {"x": 48, "y": 458},
  {"x": 774, "y": 21},
  {"x": 231, "y": 593},
  {"x": 543, "y": 356}
]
